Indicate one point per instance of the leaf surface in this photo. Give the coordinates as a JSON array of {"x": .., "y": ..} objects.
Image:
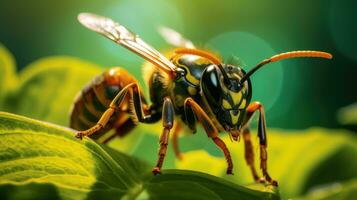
[{"x": 41, "y": 160}]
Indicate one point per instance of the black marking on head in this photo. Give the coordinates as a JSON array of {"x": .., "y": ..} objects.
[{"x": 227, "y": 102}]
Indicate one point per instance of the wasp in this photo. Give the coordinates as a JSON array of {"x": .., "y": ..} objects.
[{"x": 192, "y": 86}]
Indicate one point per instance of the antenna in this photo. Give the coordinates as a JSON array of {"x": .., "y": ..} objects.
[{"x": 291, "y": 54}]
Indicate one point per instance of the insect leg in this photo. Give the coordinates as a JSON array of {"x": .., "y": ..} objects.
[
  {"x": 262, "y": 137},
  {"x": 167, "y": 122},
  {"x": 106, "y": 115},
  {"x": 249, "y": 153},
  {"x": 191, "y": 122},
  {"x": 210, "y": 129},
  {"x": 175, "y": 144},
  {"x": 138, "y": 107}
]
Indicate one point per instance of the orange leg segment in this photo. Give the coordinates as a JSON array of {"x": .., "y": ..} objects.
[
  {"x": 210, "y": 129},
  {"x": 167, "y": 122},
  {"x": 253, "y": 107},
  {"x": 175, "y": 137}
]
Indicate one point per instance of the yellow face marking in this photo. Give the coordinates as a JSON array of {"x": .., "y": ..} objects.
[
  {"x": 226, "y": 104},
  {"x": 242, "y": 105},
  {"x": 234, "y": 117},
  {"x": 236, "y": 97},
  {"x": 191, "y": 90}
]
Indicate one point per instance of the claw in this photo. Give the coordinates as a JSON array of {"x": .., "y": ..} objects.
[
  {"x": 274, "y": 183},
  {"x": 79, "y": 135},
  {"x": 156, "y": 171},
  {"x": 261, "y": 180},
  {"x": 230, "y": 172}
]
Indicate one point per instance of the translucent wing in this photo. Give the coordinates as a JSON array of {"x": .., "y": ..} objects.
[
  {"x": 174, "y": 38},
  {"x": 121, "y": 35}
]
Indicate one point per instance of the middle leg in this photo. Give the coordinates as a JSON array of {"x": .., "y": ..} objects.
[{"x": 167, "y": 122}]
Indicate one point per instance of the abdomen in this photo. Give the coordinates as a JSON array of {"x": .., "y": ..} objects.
[{"x": 94, "y": 99}]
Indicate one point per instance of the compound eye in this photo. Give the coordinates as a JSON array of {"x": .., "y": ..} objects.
[{"x": 211, "y": 85}]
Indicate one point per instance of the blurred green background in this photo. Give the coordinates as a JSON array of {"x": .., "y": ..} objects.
[{"x": 297, "y": 93}]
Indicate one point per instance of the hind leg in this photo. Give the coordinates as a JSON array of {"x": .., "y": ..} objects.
[
  {"x": 139, "y": 113},
  {"x": 106, "y": 115}
]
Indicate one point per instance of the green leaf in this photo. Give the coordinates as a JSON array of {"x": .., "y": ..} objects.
[
  {"x": 47, "y": 87},
  {"x": 38, "y": 153},
  {"x": 7, "y": 73},
  {"x": 39, "y": 160},
  {"x": 303, "y": 159},
  {"x": 45, "y": 90},
  {"x": 299, "y": 160},
  {"x": 181, "y": 184},
  {"x": 335, "y": 191}
]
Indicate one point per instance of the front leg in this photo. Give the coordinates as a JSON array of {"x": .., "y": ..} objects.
[
  {"x": 211, "y": 130},
  {"x": 168, "y": 114},
  {"x": 262, "y": 138}
]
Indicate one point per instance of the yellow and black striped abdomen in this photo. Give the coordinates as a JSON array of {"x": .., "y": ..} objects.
[{"x": 95, "y": 98}]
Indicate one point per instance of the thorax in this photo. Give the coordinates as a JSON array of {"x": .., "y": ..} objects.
[{"x": 186, "y": 85}]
